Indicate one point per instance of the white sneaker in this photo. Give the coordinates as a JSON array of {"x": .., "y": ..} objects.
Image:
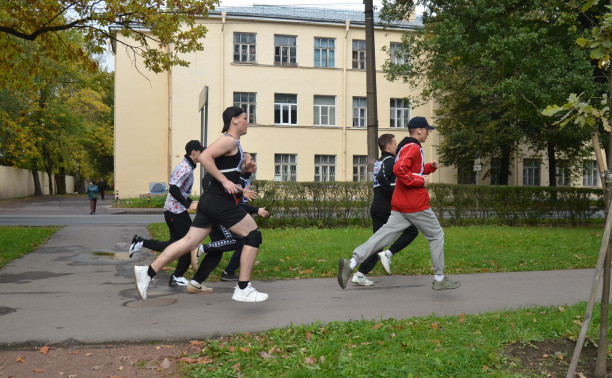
[
  {"x": 248, "y": 294},
  {"x": 142, "y": 280},
  {"x": 385, "y": 261},
  {"x": 361, "y": 279}
]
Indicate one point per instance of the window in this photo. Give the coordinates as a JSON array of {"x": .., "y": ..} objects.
[
  {"x": 247, "y": 101},
  {"x": 360, "y": 168},
  {"x": 245, "y": 48},
  {"x": 400, "y": 113},
  {"x": 397, "y": 54},
  {"x": 325, "y": 110},
  {"x": 325, "y": 168},
  {"x": 359, "y": 112},
  {"x": 359, "y": 54},
  {"x": 324, "y": 52},
  {"x": 531, "y": 172},
  {"x": 590, "y": 175},
  {"x": 563, "y": 173},
  {"x": 285, "y": 109},
  {"x": 285, "y": 167},
  {"x": 285, "y": 50}
]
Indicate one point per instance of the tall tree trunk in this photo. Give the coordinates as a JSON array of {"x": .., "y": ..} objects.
[
  {"x": 60, "y": 179},
  {"x": 504, "y": 171},
  {"x": 552, "y": 165},
  {"x": 602, "y": 352},
  {"x": 37, "y": 187},
  {"x": 48, "y": 163}
]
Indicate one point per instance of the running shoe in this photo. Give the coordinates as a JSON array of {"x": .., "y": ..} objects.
[
  {"x": 228, "y": 277},
  {"x": 361, "y": 280},
  {"x": 136, "y": 245},
  {"x": 177, "y": 281},
  {"x": 142, "y": 280},
  {"x": 385, "y": 260},
  {"x": 248, "y": 294},
  {"x": 197, "y": 288}
]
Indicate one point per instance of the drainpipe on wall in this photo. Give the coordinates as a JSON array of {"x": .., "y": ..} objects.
[
  {"x": 222, "y": 61},
  {"x": 348, "y": 24},
  {"x": 169, "y": 151}
]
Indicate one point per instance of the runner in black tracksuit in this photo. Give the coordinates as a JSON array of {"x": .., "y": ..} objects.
[{"x": 380, "y": 210}]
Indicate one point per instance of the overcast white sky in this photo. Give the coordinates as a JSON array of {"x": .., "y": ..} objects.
[{"x": 351, "y": 4}]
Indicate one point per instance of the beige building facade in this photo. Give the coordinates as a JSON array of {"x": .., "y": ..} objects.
[{"x": 299, "y": 73}]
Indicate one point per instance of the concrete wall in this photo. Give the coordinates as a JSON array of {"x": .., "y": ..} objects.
[{"x": 16, "y": 182}]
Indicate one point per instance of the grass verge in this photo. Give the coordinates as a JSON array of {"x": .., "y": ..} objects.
[
  {"x": 18, "y": 241},
  {"x": 450, "y": 346},
  {"x": 314, "y": 253}
]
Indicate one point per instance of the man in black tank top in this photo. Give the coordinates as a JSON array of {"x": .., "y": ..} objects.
[{"x": 223, "y": 161}]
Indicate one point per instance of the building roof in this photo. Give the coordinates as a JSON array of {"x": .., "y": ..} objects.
[{"x": 311, "y": 14}]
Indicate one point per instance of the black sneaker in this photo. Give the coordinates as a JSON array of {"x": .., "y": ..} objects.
[
  {"x": 228, "y": 277},
  {"x": 135, "y": 245},
  {"x": 177, "y": 281}
]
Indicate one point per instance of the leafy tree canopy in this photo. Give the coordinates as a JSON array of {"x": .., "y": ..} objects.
[{"x": 153, "y": 25}]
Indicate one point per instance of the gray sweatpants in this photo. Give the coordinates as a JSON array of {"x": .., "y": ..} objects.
[{"x": 425, "y": 221}]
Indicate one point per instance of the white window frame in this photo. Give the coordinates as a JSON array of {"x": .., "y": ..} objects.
[
  {"x": 325, "y": 48},
  {"x": 285, "y": 167},
  {"x": 360, "y": 168},
  {"x": 324, "y": 168},
  {"x": 360, "y": 112},
  {"x": 399, "y": 113},
  {"x": 285, "y": 105},
  {"x": 590, "y": 173},
  {"x": 324, "y": 114},
  {"x": 563, "y": 173},
  {"x": 245, "y": 51},
  {"x": 532, "y": 172},
  {"x": 359, "y": 54},
  {"x": 248, "y": 102},
  {"x": 396, "y": 53},
  {"x": 285, "y": 50}
]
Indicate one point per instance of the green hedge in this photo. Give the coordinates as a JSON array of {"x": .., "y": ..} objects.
[{"x": 333, "y": 204}]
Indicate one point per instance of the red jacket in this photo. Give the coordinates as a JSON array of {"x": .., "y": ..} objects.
[{"x": 410, "y": 196}]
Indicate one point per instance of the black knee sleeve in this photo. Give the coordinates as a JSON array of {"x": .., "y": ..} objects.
[{"x": 253, "y": 239}]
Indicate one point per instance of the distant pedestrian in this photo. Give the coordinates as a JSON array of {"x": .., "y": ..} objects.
[
  {"x": 102, "y": 187},
  {"x": 92, "y": 193}
]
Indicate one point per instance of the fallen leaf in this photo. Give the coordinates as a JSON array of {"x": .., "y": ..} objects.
[
  {"x": 309, "y": 361},
  {"x": 96, "y": 368},
  {"x": 578, "y": 322},
  {"x": 322, "y": 359},
  {"x": 204, "y": 360},
  {"x": 196, "y": 342},
  {"x": 44, "y": 350},
  {"x": 561, "y": 309},
  {"x": 188, "y": 360},
  {"x": 265, "y": 355},
  {"x": 165, "y": 364},
  {"x": 236, "y": 367},
  {"x": 20, "y": 359},
  {"x": 36, "y": 370},
  {"x": 377, "y": 326},
  {"x": 245, "y": 349},
  {"x": 461, "y": 318},
  {"x": 308, "y": 335}
]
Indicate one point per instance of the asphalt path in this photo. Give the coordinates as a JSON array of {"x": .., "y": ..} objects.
[{"x": 79, "y": 287}]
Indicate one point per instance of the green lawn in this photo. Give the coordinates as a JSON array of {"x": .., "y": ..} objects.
[
  {"x": 314, "y": 253},
  {"x": 18, "y": 241},
  {"x": 450, "y": 346}
]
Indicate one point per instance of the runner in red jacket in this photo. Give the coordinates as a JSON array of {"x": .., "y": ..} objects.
[{"x": 409, "y": 206}]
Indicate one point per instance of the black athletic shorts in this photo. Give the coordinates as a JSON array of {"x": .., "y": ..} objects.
[{"x": 221, "y": 209}]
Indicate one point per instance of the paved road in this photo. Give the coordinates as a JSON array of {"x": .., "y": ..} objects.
[{"x": 79, "y": 287}]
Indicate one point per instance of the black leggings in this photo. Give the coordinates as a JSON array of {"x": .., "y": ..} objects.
[
  {"x": 378, "y": 220},
  {"x": 178, "y": 225}
]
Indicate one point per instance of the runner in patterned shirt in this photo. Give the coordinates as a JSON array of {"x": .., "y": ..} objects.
[{"x": 176, "y": 211}]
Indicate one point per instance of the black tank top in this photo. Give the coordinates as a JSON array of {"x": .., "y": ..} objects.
[{"x": 230, "y": 166}]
